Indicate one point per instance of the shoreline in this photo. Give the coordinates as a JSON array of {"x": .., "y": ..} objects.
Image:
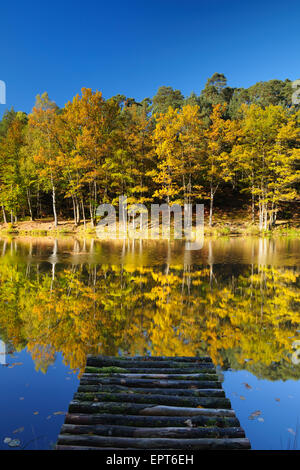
[{"x": 224, "y": 228}]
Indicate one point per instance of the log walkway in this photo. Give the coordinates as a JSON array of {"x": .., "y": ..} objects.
[{"x": 173, "y": 403}]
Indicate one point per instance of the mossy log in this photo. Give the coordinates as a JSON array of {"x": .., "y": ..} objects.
[
  {"x": 105, "y": 370},
  {"x": 152, "y": 421},
  {"x": 151, "y": 443},
  {"x": 155, "y": 376},
  {"x": 147, "y": 359},
  {"x": 199, "y": 369},
  {"x": 205, "y": 392},
  {"x": 172, "y": 432},
  {"x": 150, "y": 409},
  {"x": 169, "y": 400},
  {"x": 149, "y": 383},
  {"x": 129, "y": 364}
]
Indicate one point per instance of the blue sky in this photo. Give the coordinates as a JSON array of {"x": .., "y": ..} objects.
[{"x": 133, "y": 47}]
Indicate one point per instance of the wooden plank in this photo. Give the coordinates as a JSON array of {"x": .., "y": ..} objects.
[
  {"x": 169, "y": 400},
  {"x": 195, "y": 392},
  {"x": 150, "y": 443},
  {"x": 171, "y": 432},
  {"x": 152, "y": 375},
  {"x": 199, "y": 369},
  {"x": 151, "y": 421},
  {"x": 150, "y": 409},
  {"x": 150, "y": 358},
  {"x": 94, "y": 362},
  {"x": 151, "y": 383}
]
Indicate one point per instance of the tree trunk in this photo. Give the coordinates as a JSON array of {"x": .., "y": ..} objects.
[
  {"x": 95, "y": 199},
  {"x": 74, "y": 211},
  {"x": 77, "y": 211},
  {"x": 260, "y": 223},
  {"x": 29, "y": 204},
  {"x": 4, "y": 215},
  {"x": 253, "y": 206},
  {"x": 211, "y": 206},
  {"x": 54, "y": 205},
  {"x": 83, "y": 213},
  {"x": 265, "y": 216},
  {"x": 91, "y": 213}
]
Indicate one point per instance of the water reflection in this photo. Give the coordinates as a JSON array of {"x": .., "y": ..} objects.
[{"x": 236, "y": 299}]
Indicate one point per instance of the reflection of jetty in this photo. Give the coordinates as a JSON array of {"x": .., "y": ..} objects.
[{"x": 150, "y": 403}]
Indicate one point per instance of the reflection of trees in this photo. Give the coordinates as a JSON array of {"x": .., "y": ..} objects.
[{"x": 245, "y": 317}]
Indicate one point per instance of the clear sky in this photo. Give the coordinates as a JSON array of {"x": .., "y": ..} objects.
[{"x": 134, "y": 46}]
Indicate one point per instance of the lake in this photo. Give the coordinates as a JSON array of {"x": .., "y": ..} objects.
[{"x": 236, "y": 299}]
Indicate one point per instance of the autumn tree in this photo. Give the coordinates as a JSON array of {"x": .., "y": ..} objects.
[
  {"x": 12, "y": 184},
  {"x": 92, "y": 126},
  {"x": 45, "y": 146},
  {"x": 217, "y": 165},
  {"x": 266, "y": 154}
]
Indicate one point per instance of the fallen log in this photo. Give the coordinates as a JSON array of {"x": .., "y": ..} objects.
[
  {"x": 155, "y": 376},
  {"x": 199, "y": 369},
  {"x": 171, "y": 432},
  {"x": 169, "y": 400},
  {"x": 124, "y": 364},
  {"x": 191, "y": 359},
  {"x": 152, "y": 421},
  {"x": 138, "y": 408},
  {"x": 151, "y": 443},
  {"x": 205, "y": 392},
  {"x": 150, "y": 383}
]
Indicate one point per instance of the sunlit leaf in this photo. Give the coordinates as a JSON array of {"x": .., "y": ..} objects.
[{"x": 18, "y": 430}]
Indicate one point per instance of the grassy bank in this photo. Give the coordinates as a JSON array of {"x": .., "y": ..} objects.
[{"x": 234, "y": 224}]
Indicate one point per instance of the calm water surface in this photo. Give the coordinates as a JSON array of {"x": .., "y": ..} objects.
[{"x": 236, "y": 299}]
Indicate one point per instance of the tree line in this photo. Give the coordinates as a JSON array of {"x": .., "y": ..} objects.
[{"x": 171, "y": 148}]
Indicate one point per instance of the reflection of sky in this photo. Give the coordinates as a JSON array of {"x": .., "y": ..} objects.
[
  {"x": 45, "y": 393},
  {"x": 278, "y": 416}
]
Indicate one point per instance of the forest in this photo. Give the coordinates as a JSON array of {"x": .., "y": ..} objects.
[{"x": 226, "y": 147}]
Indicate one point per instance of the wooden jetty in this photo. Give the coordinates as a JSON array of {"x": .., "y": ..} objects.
[{"x": 154, "y": 403}]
